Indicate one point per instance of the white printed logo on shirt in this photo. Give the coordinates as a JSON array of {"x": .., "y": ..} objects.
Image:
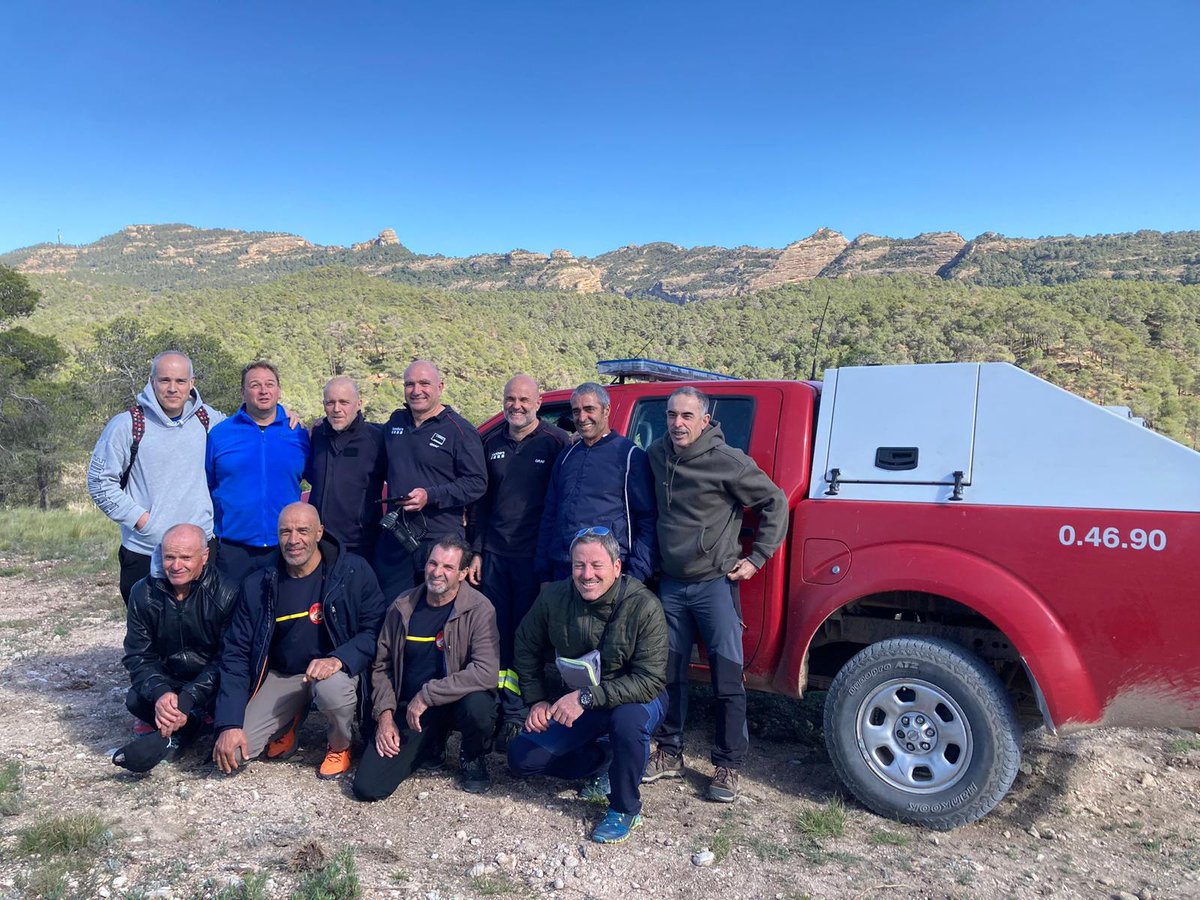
[
  {"x": 397, "y": 429},
  {"x": 437, "y": 440},
  {"x": 499, "y": 454}
]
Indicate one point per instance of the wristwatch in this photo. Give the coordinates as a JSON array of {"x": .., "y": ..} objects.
[{"x": 585, "y": 698}]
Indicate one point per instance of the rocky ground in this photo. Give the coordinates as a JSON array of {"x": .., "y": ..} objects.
[{"x": 1108, "y": 813}]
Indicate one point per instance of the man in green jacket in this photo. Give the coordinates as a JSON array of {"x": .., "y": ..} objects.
[
  {"x": 703, "y": 487},
  {"x": 620, "y": 695}
]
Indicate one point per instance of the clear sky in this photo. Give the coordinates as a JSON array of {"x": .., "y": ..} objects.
[{"x": 485, "y": 126}]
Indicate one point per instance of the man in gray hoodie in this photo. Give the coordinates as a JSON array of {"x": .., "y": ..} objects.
[
  {"x": 157, "y": 481},
  {"x": 703, "y": 486}
]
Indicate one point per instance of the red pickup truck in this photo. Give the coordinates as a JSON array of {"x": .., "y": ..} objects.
[{"x": 969, "y": 546}]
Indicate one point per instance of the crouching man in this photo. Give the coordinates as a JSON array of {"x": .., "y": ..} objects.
[
  {"x": 621, "y": 694},
  {"x": 305, "y": 626},
  {"x": 435, "y": 669},
  {"x": 172, "y": 640}
]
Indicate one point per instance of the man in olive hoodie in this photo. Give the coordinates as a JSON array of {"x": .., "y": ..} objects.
[
  {"x": 703, "y": 487},
  {"x": 436, "y": 668}
]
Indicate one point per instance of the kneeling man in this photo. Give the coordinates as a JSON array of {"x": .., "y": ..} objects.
[
  {"x": 621, "y": 694},
  {"x": 436, "y": 668},
  {"x": 172, "y": 638},
  {"x": 305, "y": 626}
]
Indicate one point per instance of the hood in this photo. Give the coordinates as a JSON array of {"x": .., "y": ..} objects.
[
  {"x": 149, "y": 403},
  {"x": 710, "y": 437}
]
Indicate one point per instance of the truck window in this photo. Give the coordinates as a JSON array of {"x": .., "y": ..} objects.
[
  {"x": 559, "y": 415},
  {"x": 735, "y": 415}
]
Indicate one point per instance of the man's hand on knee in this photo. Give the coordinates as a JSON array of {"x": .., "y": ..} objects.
[
  {"x": 387, "y": 735},
  {"x": 566, "y": 709},
  {"x": 230, "y": 747},
  {"x": 539, "y": 717},
  {"x": 320, "y": 669},
  {"x": 167, "y": 714}
]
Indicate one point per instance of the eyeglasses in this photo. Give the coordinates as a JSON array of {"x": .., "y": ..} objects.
[{"x": 598, "y": 530}]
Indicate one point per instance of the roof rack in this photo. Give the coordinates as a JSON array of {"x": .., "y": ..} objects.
[{"x": 655, "y": 370}]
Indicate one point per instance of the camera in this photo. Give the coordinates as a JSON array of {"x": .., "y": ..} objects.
[{"x": 397, "y": 524}]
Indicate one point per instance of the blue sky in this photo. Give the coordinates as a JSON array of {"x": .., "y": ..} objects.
[{"x": 485, "y": 126}]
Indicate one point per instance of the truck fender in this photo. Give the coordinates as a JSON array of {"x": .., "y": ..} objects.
[{"x": 1024, "y": 616}]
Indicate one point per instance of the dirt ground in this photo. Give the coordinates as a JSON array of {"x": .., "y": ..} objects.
[{"x": 1106, "y": 813}]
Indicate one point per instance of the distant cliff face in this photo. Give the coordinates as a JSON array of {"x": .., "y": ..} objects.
[{"x": 165, "y": 256}]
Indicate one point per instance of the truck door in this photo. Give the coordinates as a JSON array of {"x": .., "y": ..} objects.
[{"x": 737, "y": 411}]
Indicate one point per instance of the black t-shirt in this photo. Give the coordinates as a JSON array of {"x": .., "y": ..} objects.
[
  {"x": 300, "y": 633},
  {"x": 424, "y": 647}
]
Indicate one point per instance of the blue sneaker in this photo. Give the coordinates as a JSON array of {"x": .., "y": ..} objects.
[
  {"x": 596, "y": 789},
  {"x": 616, "y": 827}
]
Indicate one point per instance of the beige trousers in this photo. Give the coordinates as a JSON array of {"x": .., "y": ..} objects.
[{"x": 282, "y": 697}]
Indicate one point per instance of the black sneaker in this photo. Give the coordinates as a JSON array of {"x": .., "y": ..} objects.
[
  {"x": 508, "y": 733},
  {"x": 473, "y": 775},
  {"x": 433, "y": 757},
  {"x": 724, "y": 785}
]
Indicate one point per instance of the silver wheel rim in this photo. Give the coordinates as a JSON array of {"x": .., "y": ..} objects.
[{"x": 914, "y": 736}]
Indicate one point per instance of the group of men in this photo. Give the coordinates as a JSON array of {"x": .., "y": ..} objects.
[{"x": 438, "y": 607}]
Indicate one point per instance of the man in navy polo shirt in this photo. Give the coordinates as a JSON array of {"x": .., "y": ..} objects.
[
  {"x": 435, "y": 466},
  {"x": 254, "y": 462},
  {"x": 503, "y": 527}
]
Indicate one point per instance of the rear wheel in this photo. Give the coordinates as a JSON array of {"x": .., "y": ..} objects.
[{"x": 921, "y": 730}]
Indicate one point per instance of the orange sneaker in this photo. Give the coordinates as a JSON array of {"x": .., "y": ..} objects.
[
  {"x": 335, "y": 765},
  {"x": 284, "y": 746}
]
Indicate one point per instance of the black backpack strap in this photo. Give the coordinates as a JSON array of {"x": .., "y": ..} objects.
[
  {"x": 202, "y": 415},
  {"x": 139, "y": 430}
]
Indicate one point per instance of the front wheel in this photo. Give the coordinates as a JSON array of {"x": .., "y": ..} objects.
[{"x": 921, "y": 730}]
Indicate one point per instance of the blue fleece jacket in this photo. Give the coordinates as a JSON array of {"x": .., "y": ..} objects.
[
  {"x": 609, "y": 484},
  {"x": 253, "y": 473}
]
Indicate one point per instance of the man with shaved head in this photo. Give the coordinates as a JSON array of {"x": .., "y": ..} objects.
[
  {"x": 503, "y": 527},
  {"x": 435, "y": 469},
  {"x": 304, "y": 628},
  {"x": 346, "y": 468},
  {"x": 172, "y": 638},
  {"x": 147, "y": 470}
]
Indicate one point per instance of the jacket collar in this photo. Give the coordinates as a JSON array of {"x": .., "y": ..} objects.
[
  {"x": 280, "y": 416},
  {"x": 467, "y": 599}
]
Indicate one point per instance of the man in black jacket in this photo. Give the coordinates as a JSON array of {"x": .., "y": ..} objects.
[
  {"x": 346, "y": 468},
  {"x": 304, "y": 627},
  {"x": 172, "y": 638}
]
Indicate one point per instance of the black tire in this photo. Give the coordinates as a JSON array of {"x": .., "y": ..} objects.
[{"x": 921, "y": 730}]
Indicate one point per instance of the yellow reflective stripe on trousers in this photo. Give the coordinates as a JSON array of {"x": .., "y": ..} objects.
[{"x": 509, "y": 681}]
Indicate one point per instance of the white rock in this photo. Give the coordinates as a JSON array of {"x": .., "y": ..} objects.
[
  {"x": 120, "y": 881},
  {"x": 570, "y": 862},
  {"x": 703, "y": 859},
  {"x": 1148, "y": 780},
  {"x": 461, "y": 835},
  {"x": 424, "y": 795},
  {"x": 559, "y": 884},
  {"x": 104, "y": 892},
  {"x": 475, "y": 842},
  {"x": 1033, "y": 831}
]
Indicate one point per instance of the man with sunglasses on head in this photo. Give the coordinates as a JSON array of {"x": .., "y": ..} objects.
[
  {"x": 609, "y": 638},
  {"x": 603, "y": 479},
  {"x": 704, "y": 487}
]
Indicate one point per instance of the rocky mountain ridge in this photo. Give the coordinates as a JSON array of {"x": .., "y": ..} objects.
[{"x": 156, "y": 257}]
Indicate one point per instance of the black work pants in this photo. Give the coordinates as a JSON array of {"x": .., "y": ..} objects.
[
  {"x": 134, "y": 567},
  {"x": 397, "y": 569},
  {"x": 512, "y": 586},
  {"x": 473, "y": 715},
  {"x": 144, "y": 710},
  {"x": 236, "y": 560}
]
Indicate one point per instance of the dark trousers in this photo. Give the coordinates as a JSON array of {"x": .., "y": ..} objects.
[
  {"x": 473, "y": 715},
  {"x": 398, "y": 570},
  {"x": 708, "y": 610},
  {"x": 144, "y": 710},
  {"x": 512, "y": 586},
  {"x": 576, "y": 752},
  {"x": 235, "y": 560},
  {"x": 134, "y": 567}
]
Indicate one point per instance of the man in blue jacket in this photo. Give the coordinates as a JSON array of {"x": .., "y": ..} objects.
[
  {"x": 254, "y": 462},
  {"x": 603, "y": 480},
  {"x": 305, "y": 627}
]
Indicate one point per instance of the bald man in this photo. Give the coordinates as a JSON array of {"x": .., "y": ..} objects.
[
  {"x": 435, "y": 469},
  {"x": 305, "y": 627},
  {"x": 172, "y": 638},
  {"x": 503, "y": 527},
  {"x": 346, "y": 468}
]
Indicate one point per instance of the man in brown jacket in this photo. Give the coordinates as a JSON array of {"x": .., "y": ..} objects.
[{"x": 436, "y": 669}]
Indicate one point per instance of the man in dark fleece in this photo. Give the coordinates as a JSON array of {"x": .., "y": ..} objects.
[{"x": 703, "y": 487}]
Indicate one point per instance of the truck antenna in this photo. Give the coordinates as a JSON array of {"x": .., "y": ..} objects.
[{"x": 817, "y": 340}]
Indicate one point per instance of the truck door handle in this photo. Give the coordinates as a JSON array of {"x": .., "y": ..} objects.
[{"x": 896, "y": 459}]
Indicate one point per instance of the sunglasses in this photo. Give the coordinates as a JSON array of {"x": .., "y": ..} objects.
[{"x": 599, "y": 530}]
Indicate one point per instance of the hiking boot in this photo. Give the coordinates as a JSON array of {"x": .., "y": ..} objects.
[
  {"x": 335, "y": 765},
  {"x": 596, "y": 789},
  {"x": 285, "y": 744},
  {"x": 616, "y": 827},
  {"x": 473, "y": 775},
  {"x": 663, "y": 764},
  {"x": 509, "y": 731},
  {"x": 432, "y": 758},
  {"x": 724, "y": 785}
]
